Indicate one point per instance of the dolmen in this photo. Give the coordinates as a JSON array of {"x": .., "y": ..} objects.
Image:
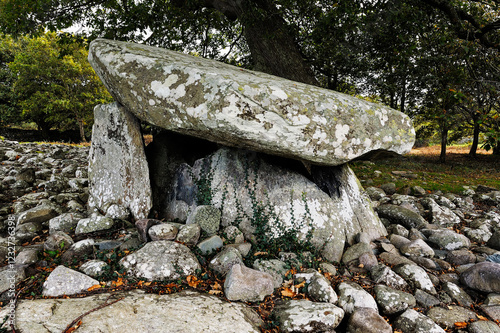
[{"x": 241, "y": 141}]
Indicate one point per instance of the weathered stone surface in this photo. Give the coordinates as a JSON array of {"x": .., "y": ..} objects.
[
  {"x": 65, "y": 222},
  {"x": 225, "y": 259},
  {"x": 118, "y": 170},
  {"x": 383, "y": 274},
  {"x": 38, "y": 214},
  {"x": 483, "y": 327},
  {"x": 306, "y": 316},
  {"x": 207, "y": 217},
  {"x": 247, "y": 285},
  {"x": 94, "y": 223},
  {"x": 275, "y": 267},
  {"x": 352, "y": 296},
  {"x": 163, "y": 231},
  {"x": 412, "y": 321},
  {"x": 161, "y": 260},
  {"x": 416, "y": 277},
  {"x": 240, "y": 180},
  {"x": 320, "y": 289},
  {"x": 93, "y": 268},
  {"x": 483, "y": 276},
  {"x": 451, "y": 315},
  {"x": 188, "y": 312},
  {"x": 367, "y": 320},
  {"x": 400, "y": 215},
  {"x": 248, "y": 109},
  {"x": 393, "y": 301},
  {"x": 65, "y": 281},
  {"x": 448, "y": 239}
]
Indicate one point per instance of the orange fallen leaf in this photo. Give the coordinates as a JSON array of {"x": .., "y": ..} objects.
[
  {"x": 117, "y": 283},
  {"x": 217, "y": 286},
  {"x": 461, "y": 324},
  {"x": 215, "y": 292},
  {"x": 192, "y": 281},
  {"x": 481, "y": 317},
  {"x": 94, "y": 287},
  {"x": 287, "y": 292},
  {"x": 300, "y": 285},
  {"x": 260, "y": 253}
]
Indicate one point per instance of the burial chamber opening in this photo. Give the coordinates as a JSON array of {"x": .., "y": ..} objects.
[{"x": 168, "y": 151}]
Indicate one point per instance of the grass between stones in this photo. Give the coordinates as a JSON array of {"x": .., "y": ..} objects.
[{"x": 423, "y": 169}]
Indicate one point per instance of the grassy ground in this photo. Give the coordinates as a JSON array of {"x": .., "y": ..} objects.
[{"x": 423, "y": 163}]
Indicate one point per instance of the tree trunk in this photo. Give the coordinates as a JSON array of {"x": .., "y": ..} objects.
[
  {"x": 496, "y": 149},
  {"x": 444, "y": 142},
  {"x": 82, "y": 131},
  {"x": 45, "y": 129},
  {"x": 475, "y": 140},
  {"x": 272, "y": 46}
]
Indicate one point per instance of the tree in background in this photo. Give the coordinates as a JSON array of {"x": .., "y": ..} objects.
[
  {"x": 54, "y": 83},
  {"x": 9, "y": 112}
]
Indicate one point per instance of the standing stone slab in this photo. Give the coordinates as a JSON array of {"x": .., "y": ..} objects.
[
  {"x": 118, "y": 170},
  {"x": 247, "y": 109},
  {"x": 240, "y": 180}
]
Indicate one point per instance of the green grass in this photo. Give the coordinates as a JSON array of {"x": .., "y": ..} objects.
[{"x": 459, "y": 171}]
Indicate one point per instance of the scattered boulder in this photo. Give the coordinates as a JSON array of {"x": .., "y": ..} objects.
[
  {"x": 65, "y": 281},
  {"x": 247, "y": 285},
  {"x": 307, "y": 316},
  {"x": 161, "y": 260},
  {"x": 483, "y": 277}
]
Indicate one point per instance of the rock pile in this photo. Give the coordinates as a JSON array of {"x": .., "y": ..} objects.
[{"x": 438, "y": 268}]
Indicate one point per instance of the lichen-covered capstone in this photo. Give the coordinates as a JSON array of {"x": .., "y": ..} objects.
[
  {"x": 118, "y": 170},
  {"x": 247, "y": 109}
]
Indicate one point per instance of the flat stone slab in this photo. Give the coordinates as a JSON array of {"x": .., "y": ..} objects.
[
  {"x": 246, "y": 109},
  {"x": 137, "y": 312}
]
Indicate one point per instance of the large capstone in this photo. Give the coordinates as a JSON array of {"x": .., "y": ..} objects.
[
  {"x": 118, "y": 170},
  {"x": 247, "y": 109}
]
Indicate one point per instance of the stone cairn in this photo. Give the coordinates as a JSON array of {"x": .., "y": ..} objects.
[{"x": 242, "y": 159}]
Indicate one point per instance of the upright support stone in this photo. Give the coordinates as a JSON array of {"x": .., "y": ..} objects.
[{"x": 118, "y": 169}]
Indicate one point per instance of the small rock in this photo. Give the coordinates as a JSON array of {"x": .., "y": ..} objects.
[
  {"x": 143, "y": 228},
  {"x": 225, "y": 259},
  {"x": 416, "y": 277},
  {"x": 383, "y": 274},
  {"x": 393, "y": 301},
  {"x": 65, "y": 281},
  {"x": 320, "y": 289},
  {"x": 457, "y": 294},
  {"x": 412, "y": 321},
  {"x": 367, "y": 320},
  {"x": 163, "y": 231},
  {"x": 58, "y": 241},
  {"x": 451, "y": 315},
  {"x": 352, "y": 296},
  {"x": 161, "y": 260},
  {"x": 483, "y": 327},
  {"x": 94, "y": 223},
  {"x": 207, "y": 217},
  {"x": 460, "y": 257},
  {"x": 93, "y": 268},
  {"x": 211, "y": 244},
  {"x": 306, "y": 316},
  {"x": 189, "y": 234},
  {"x": 247, "y": 285},
  {"x": 276, "y": 268},
  {"x": 417, "y": 248}
]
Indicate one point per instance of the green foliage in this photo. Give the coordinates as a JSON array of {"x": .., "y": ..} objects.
[
  {"x": 203, "y": 184},
  {"x": 55, "y": 85}
]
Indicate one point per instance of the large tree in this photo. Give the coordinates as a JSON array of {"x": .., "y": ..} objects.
[{"x": 54, "y": 84}]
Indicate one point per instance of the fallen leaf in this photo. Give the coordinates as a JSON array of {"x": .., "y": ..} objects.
[
  {"x": 461, "y": 324},
  {"x": 192, "y": 281},
  {"x": 117, "y": 283},
  {"x": 300, "y": 285},
  {"x": 361, "y": 265},
  {"x": 287, "y": 292},
  {"x": 216, "y": 286},
  {"x": 481, "y": 317},
  {"x": 94, "y": 287},
  {"x": 260, "y": 253},
  {"x": 215, "y": 292}
]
